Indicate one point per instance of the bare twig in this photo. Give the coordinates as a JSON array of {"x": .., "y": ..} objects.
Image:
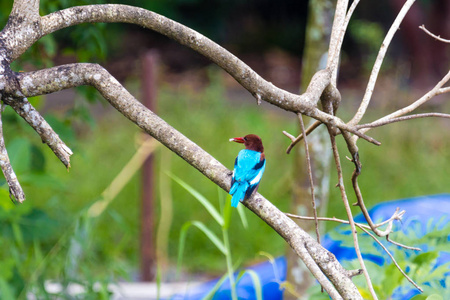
[
  {"x": 443, "y": 90},
  {"x": 311, "y": 181},
  {"x": 15, "y": 190},
  {"x": 402, "y": 245},
  {"x": 379, "y": 61},
  {"x": 404, "y": 118},
  {"x": 393, "y": 259},
  {"x": 425, "y": 98},
  {"x": 396, "y": 216},
  {"x": 349, "y": 213},
  {"x": 366, "y": 229},
  {"x": 296, "y": 140},
  {"x": 437, "y": 37},
  {"x": 333, "y": 219},
  {"x": 24, "y": 109}
]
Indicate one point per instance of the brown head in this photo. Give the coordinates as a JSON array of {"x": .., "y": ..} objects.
[{"x": 251, "y": 142}]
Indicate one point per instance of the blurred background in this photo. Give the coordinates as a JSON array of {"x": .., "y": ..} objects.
[{"x": 57, "y": 235}]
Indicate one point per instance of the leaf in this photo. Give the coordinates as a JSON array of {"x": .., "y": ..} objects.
[
  {"x": 227, "y": 216},
  {"x": 425, "y": 258},
  {"x": 206, "y": 204}
]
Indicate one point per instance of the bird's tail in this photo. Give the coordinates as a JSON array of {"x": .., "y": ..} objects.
[{"x": 238, "y": 191}]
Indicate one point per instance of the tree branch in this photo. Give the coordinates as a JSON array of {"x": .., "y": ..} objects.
[
  {"x": 249, "y": 79},
  {"x": 15, "y": 190},
  {"x": 436, "y": 37},
  {"x": 24, "y": 109},
  {"x": 379, "y": 61},
  {"x": 92, "y": 74},
  {"x": 349, "y": 213},
  {"x": 404, "y": 118},
  {"x": 437, "y": 89},
  {"x": 311, "y": 180},
  {"x": 366, "y": 229}
]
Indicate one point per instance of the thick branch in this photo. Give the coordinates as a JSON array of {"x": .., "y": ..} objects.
[
  {"x": 12, "y": 95},
  {"x": 109, "y": 13},
  {"x": 28, "y": 10},
  {"x": 249, "y": 79},
  {"x": 22, "y": 29},
  {"x": 91, "y": 74}
]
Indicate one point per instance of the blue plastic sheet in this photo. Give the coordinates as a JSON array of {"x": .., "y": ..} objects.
[
  {"x": 271, "y": 275},
  {"x": 423, "y": 211}
]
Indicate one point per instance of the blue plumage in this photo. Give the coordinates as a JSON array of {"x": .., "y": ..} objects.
[{"x": 248, "y": 169}]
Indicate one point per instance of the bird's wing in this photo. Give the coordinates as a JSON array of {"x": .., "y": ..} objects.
[
  {"x": 254, "y": 183},
  {"x": 247, "y": 165}
]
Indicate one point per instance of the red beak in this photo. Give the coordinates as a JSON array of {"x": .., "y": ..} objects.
[{"x": 237, "y": 140}]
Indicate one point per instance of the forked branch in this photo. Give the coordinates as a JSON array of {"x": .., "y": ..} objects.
[{"x": 94, "y": 75}]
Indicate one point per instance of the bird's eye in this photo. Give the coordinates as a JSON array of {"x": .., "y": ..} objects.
[{"x": 245, "y": 139}]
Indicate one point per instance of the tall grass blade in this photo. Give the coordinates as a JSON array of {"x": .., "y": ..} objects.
[
  {"x": 209, "y": 207},
  {"x": 227, "y": 209},
  {"x": 158, "y": 281},
  {"x": 212, "y": 237},
  {"x": 215, "y": 288},
  {"x": 272, "y": 262},
  {"x": 241, "y": 213},
  {"x": 256, "y": 282}
]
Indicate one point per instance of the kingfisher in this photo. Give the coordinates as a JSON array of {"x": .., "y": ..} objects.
[{"x": 248, "y": 168}]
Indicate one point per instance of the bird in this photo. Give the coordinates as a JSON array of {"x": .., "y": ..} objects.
[{"x": 248, "y": 170}]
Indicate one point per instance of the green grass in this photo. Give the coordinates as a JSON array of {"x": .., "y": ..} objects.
[{"x": 413, "y": 160}]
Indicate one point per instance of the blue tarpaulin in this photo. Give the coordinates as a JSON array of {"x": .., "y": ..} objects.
[{"x": 425, "y": 211}]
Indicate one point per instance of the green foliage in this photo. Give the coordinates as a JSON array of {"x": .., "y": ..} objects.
[
  {"x": 42, "y": 241},
  {"x": 368, "y": 36}
]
